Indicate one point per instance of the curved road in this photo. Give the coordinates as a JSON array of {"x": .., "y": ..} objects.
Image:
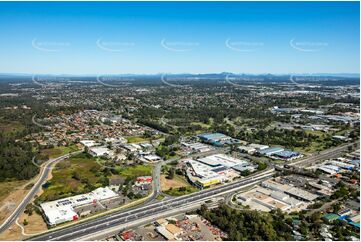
[
  {"x": 121, "y": 217},
  {"x": 153, "y": 207},
  {"x": 45, "y": 170}
]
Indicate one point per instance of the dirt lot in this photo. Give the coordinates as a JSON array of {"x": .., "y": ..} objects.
[
  {"x": 177, "y": 182},
  {"x": 13, "y": 233},
  {"x": 10, "y": 200},
  {"x": 36, "y": 224}
]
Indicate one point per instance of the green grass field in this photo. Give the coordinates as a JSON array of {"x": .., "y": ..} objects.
[
  {"x": 81, "y": 174},
  {"x": 65, "y": 183},
  {"x": 181, "y": 191},
  {"x": 135, "y": 139},
  {"x": 13, "y": 127},
  {"x": 134, "y": 171},
  {"x": 57, "y": 151},
  {"x": 178, "y": 186}
]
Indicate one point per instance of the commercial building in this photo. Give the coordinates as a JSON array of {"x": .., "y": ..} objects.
[
  {"x": 197, "y": 147},
  {"x": 131, "y": 147},
  {"x": 290, "y": 190},
  {"x": 215, "y": 169},
  {"x": 270, "y": 151},
  {"x": 286, "y": 155},
  {"x": 201, "y": 170},
  {"x": 247, "y": 149},
  {"x": 144, "y": 179},
  {"x": 100, "y": 151},
  {"x": 202, "y": 175},
  {"x": 258, "y": 146},
  {"x": 63, "y": 210},
  {"x": 152, "y": 158},
  {"x": 218, "y": 139},
  {"x": 88, "y": 143},
  {"x": 340, "y": 137},
  {"x": 265, "y": 199},
  {"x": 342, "y": 165},
  {"x": 244, "y": 167},
  {"x": 118, "y": 140},
  {"x": 327, "y": 170},
  {"x": 221, "y": 160},
  {"x": 337, "y": 118},
  {"x": 185, "y": 228}
]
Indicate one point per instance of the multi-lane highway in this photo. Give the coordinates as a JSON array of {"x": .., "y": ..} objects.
[
  {"x": 323, "y": 155},
  {"x": 45, "y": 169},
  {"x": 153, "y": 208},
  {"x": 108, "y": 221}
]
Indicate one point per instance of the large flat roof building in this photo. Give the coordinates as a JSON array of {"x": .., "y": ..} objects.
[
  {"x": 271, "y": 151},
  {"x": 290, "y": 190},
  {"x": 100, "y": 151},
  {"x": 62, "y": 210},
  {"x": 222, "y": 160},
  {"x": 218, "y": 139}
]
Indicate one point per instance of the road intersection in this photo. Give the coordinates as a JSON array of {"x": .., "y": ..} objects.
[
  {"x": 45, "y": 169},
  {"x": 151, "y": 207}
]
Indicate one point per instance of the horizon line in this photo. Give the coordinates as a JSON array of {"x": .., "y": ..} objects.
[{"x": 182, "y": 73}]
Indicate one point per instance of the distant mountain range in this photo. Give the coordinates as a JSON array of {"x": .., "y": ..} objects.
[{"x": 203, "y": 75}]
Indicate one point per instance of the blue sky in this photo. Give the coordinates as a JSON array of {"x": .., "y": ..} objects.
[{"x": 179, "y": 37}]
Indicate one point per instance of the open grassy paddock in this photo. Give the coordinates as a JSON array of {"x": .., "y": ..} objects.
[
  {"x": 79, "y": 174},
  {"x": 57, "y": 151}
]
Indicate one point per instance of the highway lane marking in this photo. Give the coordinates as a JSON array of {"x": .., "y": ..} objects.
[
  {"x": 191, "y": 198},
  {"x": 219, "y": 189},
  {"x": 135, "y": 216}
]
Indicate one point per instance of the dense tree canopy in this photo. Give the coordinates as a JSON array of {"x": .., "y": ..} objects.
[
  {"x": 16, "y": 159},
  {"x": 248, "y": 224}
]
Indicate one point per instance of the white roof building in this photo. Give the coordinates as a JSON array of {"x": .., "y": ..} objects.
[
  {"x": 290, "y": 190},
  {"x": 259, "y": 147},
  {"x": 88, "y": 143},
  {"x": 201, "y": 170},
  {"x": 115, "y": 140},
  {"x": 341, "y": 164},
  {"x": 199, "y": 147},
  {"x": 327, "y": 170},
  {"x": 58, "y": 215},
  {"x": 152, "y": 158},
  {"x": 100, "y": 151},
  {"x": 62, "y": 210},
  {"x": 221, "y": 160},
  {"x": 247, "y": 149}
]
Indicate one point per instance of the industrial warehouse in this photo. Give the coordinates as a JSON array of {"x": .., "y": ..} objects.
[
  {"x": 218, "y": 139},
  {"x": 277, "y": 153},
  {"x": 274, "y": 194},
  {"x": 334, "y": 167}
]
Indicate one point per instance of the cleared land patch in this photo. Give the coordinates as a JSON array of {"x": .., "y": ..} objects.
[{"x": 56, "y": 151}]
